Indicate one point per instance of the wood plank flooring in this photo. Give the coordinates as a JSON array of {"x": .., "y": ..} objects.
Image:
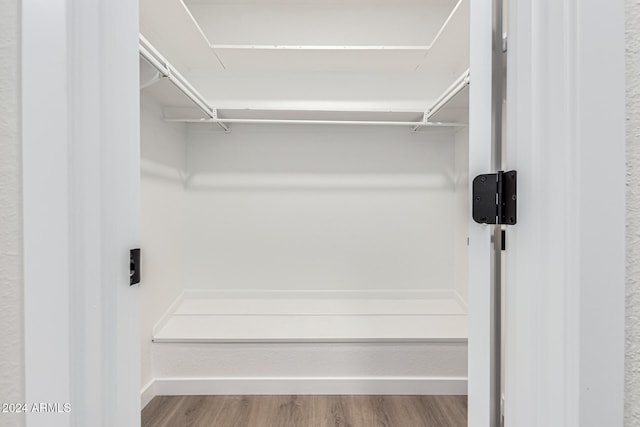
[{"x": 306, "y": 411}]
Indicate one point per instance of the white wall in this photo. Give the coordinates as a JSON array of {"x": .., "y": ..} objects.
[
  {"x": 311, "y": 368},
  {"x": 632, "y": 390},
  {"x": 162, "y": 221},
  {"x": 461, "y": 212},
  {"x": 11, "y": 296},
  {"x": 301, "y": 207}
]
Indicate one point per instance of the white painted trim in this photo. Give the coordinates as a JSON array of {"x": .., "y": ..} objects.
[
  {"x": 308, "y": 385},
  {"x": 479, "y": 302},
  {"x": 46, "y": 168},
  {"x": 566, "y": 258},
  {"x": 80, "y": 170},
  {"x": 148, "y": 393}
]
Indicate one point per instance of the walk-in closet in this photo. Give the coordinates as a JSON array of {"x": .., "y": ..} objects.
[{"x": 304, "y": 196}]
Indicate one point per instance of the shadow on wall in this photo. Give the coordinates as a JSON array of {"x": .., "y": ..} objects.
[{"x": 277, "y": 157}]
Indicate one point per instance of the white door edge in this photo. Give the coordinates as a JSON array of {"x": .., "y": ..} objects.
[{"x": 480, "y": 162}]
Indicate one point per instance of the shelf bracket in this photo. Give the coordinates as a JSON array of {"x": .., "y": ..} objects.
[
  {"x": 425, "y": 118},
  {"x": 214, "y": 116}
]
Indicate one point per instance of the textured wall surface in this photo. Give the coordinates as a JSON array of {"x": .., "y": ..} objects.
[
  {"x": 632, "y": 375},
  {"x": 11, "y": 328}
]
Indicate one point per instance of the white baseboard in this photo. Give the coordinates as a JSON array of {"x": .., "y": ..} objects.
[
  {"x": 310, "y": 386},
  {"x": 148, "y": 393}
]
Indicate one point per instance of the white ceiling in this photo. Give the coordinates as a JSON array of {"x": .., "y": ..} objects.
[
  {"x": 352, "y": 22},
  {"x": 320, "y": 60},
  {"x": 169, "y": 26}
]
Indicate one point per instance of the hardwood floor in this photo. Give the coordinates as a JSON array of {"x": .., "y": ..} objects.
[{"x": 306, "y": 411}]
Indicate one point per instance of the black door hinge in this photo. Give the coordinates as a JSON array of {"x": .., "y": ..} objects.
[
  {"x": 134, "y": 266},
  {"x": 495, "y": 197}
]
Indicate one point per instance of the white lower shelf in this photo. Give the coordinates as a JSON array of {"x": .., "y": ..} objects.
[{"x": 219, "y": 317}]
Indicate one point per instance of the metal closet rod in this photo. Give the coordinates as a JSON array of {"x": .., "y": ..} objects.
[
  {"x": 317, "y": 122},
  {"x": 151, "y": 55}
]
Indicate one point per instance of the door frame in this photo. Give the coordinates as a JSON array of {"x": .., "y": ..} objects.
[
  {"x": 79, "y": 205},
  {"x": 81, "y": 172},
  {"x": 565, "y": 260}
]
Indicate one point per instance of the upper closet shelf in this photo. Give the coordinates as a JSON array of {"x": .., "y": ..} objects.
[{"x": 183, "y": 103}]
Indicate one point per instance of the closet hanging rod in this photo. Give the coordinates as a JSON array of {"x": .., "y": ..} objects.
[
  {"x": 458, "y": 85},
  {"x": 153, "y": 57},
  {"x": 317, "y": 122}
]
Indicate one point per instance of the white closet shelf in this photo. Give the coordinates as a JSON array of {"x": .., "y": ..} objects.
[
  {"x": 219, "y": 317},
  {"x": 168, "y": 86},
  {"x": 183, "y": 103}
]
